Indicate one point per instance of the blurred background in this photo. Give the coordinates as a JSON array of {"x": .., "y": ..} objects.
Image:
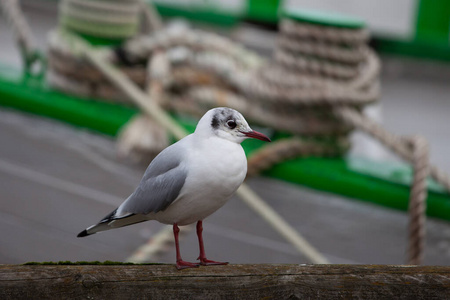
[{"x": 60, "y": 173}]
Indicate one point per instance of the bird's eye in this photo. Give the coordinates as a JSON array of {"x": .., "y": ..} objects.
[{"x": 231, "y": 124}]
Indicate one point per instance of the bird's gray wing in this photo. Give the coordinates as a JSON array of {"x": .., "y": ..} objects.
[{"x": 160, "y": 185}]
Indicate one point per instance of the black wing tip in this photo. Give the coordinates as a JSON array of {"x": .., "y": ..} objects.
[{"x": 83, "y": 233}]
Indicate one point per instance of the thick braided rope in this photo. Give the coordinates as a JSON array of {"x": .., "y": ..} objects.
[
  {"x": 100, "y": 11},
  {"x": 205, "y": 97},
  {"x": 273, "y": 92},
  {"x": 300, "y": 89},
  {"x": 315, "y": 66},
  {"x": 151, "y": 17},
  {"x": 322, "y": 50},
  {"x": 141, "y": 47},
  {"x": 282, "y": 150},
  {"x": 110, "y": 19},
  {"x": 15, "y": 18},
  {"x": 366, "y": 79},
  {"x": 248, "y": 75},
  {"x": 156, "y": 246},
  {"x": 327, "y": 92},
  {"x": 417, "y": 201},
  {"x": 416, "y": 153},
  {"x": 326, "y": 33},
  {"x": 336, "y": 59}
]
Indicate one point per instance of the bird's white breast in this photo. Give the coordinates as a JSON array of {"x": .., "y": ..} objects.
[{"x": 217, "y": 167}]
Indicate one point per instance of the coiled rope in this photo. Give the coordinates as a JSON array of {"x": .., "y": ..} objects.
[{"x": 115, "y": 19}]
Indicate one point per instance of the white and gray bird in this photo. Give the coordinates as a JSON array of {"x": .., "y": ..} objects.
[{"x": 189, "y": 180}]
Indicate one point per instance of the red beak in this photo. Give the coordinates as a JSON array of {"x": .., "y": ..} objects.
[{"x": 256, "y": 135}]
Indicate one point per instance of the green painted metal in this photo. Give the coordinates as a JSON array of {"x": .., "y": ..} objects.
[
  {"x": 31, "y": 95},
  {"x": 414, "y": 48},
  {"x": 334, "y": 175},
  {"x": 433, "y": 22},
  {"x": 431, "y": 39},
  {"x": 99, "y": 41},
  {"x": 198, "y": 14},
  {"x": 263, "y": 11},
  {"x": 432, "y": 36},
  {"x": 324, "y": 18}
]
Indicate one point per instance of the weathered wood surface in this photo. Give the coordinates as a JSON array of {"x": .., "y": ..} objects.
[{"x": 224, "y": 282}]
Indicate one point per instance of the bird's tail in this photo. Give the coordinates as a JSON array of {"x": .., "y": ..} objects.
[{"x": 112, "y": 221}]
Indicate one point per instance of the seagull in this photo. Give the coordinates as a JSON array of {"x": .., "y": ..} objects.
[{"x": 189, "y": 180}]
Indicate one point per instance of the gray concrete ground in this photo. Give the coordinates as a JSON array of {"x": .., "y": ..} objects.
[{"x": 55, "y": 180}]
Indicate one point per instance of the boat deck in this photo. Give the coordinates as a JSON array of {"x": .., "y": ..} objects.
[{"x": 56, "y": 180}]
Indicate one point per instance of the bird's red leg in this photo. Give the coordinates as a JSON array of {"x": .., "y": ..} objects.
[
  {"x": 181, "y": 264},
  {"x": 202, "y": 257}
]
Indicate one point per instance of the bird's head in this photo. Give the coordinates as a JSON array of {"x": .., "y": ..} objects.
[{"x": 228, "y": 124}]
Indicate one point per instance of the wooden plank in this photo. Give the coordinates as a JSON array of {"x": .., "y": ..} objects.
[{"x": 224, "y": 282}]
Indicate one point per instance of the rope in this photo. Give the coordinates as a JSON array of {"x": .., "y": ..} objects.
[
  {"x": 418, "y": 157},
  {"x": 250, "y": 198},
  {"x": 315, "y": 66},
  {"x": 286, "y": 149},
  {"x": 151, "y": 17},
  {"x": 154, "y": 248},
  {"x": 417, "y": 202},
  {"x": 245, "y": 71},
  {"x": 106, "y": 19},
  {"x": 322, "y": 50},
  {"x": 330, "y": 34},
  {"x": 205, "y": 97},
  {"x": 139, "y": 48},
  {"x": 16, "y": 20}
]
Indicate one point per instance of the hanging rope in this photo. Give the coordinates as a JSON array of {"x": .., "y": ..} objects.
[
  {"x": 16, "y": 20},
  {"x": 417, "y": 202},
  {"x": 31, "y": 56}
]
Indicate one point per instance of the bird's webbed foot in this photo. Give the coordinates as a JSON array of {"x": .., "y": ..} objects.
[
  {"x": 206, "y": 262},
  {"x": 181, "y": 264}
]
